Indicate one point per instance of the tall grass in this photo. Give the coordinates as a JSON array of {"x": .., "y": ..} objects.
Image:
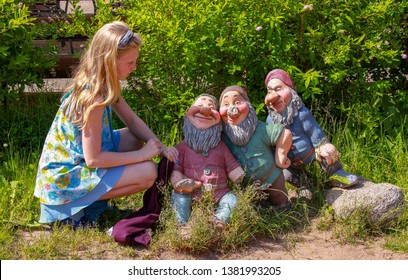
[{"x": 380, "y": 160}]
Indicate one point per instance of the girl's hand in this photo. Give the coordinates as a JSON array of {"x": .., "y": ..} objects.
[
  {"x": 150, "y": 149},
  {"x": 171, "y": 153}
]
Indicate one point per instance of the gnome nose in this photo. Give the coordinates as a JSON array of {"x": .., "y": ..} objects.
[
  {"x": 271, "y": 97},
  {"x": 206, "y": 111},
  {"x": 232, "y": 111}
]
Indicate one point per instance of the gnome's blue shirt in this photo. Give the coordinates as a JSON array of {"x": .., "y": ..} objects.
[{"x": 306, "y": 132}]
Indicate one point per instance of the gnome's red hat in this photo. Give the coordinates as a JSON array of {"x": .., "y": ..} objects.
[{"x": 281, "y": 75}]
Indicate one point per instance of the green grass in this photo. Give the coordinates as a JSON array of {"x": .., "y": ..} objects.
[{"x": 381, "y": 160}]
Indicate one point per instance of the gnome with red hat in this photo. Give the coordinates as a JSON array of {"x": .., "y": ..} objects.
[{"x": 309, "y": 141}]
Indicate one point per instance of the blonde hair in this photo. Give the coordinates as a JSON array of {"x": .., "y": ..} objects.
[{"x": 96, "y": 81}]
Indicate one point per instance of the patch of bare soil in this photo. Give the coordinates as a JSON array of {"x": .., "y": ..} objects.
[{"x": 312, "y": 244}]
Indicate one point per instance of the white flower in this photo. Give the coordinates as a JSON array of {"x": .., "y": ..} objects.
[{"x": 308, "y": 7}]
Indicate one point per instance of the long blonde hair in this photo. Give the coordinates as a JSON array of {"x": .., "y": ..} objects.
[{"x": 96, "y": 81}]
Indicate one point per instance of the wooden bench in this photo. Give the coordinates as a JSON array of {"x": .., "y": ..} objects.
[
  {"x": 68, "y": 48},
  {"x": 60, "y": 8}
]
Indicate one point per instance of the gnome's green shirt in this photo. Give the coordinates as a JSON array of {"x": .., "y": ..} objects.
[{"x": 257, "y": 157}]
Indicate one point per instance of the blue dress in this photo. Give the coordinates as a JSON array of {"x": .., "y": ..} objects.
[{"x": 64, "y": 184}]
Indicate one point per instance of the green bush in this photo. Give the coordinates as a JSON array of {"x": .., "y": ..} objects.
[
  {"x": 346, "y": 55},
  {"x": 341, "y": 53},
  {"x": 21, "y": 63}
]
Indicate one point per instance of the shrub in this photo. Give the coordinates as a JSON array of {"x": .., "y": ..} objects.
[
  {"x": 348, "y": 55},
  {"x": 21, "y": 63},
  {"x": 340, "y": 52}
]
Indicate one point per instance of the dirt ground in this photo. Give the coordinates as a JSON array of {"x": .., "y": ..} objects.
[{"x": 311, "y": 245}]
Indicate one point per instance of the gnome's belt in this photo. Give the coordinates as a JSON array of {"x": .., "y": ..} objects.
[
  {"x": 211, "y": 187},
  {"x": 299, "y": 162}
]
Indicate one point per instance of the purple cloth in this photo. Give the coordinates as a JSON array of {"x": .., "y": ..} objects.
[{"x": 133, "y": 229}]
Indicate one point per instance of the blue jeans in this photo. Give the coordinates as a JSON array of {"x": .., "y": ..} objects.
[{"x": 182, "y": 207}]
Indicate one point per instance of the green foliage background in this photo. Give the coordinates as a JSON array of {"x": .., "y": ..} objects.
[
  {"x": 348, "y": 55},
  {"x": 345, "y": 55},
  {"x": 21, "y": 63}
]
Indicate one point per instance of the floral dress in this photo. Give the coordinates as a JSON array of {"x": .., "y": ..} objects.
[{"x": 62, "y": 175}]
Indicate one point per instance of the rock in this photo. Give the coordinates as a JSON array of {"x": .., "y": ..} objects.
[{"x": 383, "y": 202}]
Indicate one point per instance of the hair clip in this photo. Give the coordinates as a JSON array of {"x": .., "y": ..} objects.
[{"x": 125, "y": 39}]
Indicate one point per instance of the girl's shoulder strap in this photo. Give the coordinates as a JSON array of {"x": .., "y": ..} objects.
[{"x": 66, "y": 95}]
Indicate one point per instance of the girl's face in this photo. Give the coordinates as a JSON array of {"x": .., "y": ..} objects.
[
  {"x": 233, "y": 108},
  {"x": 278, "y": 96},
  {"x": 126, "y": 64}
]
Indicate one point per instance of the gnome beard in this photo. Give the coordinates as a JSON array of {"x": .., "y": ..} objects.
[
  {"x": 201, "y": 140},
  {"x": 291, "y": 111},
  {"x": 240, "y": 134}
]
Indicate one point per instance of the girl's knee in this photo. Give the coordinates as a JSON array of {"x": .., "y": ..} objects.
[
  {"x": 127, "y": 141},
  {"x": 149, "y": 172},
  {"x": 142, "y": 174}
]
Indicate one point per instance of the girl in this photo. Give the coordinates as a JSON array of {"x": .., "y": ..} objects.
[{"x": 83, "y": 159}]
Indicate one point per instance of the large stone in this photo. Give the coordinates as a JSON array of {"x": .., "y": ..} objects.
[{"x": 382, "y": 202}]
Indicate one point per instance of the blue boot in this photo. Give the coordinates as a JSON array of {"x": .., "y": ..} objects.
[
  {"x": 337, "y": 176},
  {"x": 342, "y": 179}
]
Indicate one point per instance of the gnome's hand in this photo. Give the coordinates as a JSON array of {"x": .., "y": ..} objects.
[
  {"x": 282, "y": 160},
  {"x": 187, "y": 186},
  {"x": 328, "y": 152}
]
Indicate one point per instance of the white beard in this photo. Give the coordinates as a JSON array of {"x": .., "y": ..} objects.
[
  {"x": 291, "y": 111},
  {"x": 242, "y": 133},
  {"x": 201, "y": 140}
]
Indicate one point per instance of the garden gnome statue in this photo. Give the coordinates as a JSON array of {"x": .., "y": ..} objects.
[
  {"x": 260, "y": 148},
  {"x": 309, "y": 141},
  {"x": 204, "y": 163}
]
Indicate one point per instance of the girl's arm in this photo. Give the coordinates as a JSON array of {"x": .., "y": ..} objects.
[
  {"x": 91, "y": 142},
  {"x": 135, "y": 124},
  {"x": 140, "y": 129}
]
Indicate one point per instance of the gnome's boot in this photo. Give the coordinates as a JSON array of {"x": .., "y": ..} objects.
[
  {"x": 338, "y": 176},
  {"x": 297, "y": 177}
]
